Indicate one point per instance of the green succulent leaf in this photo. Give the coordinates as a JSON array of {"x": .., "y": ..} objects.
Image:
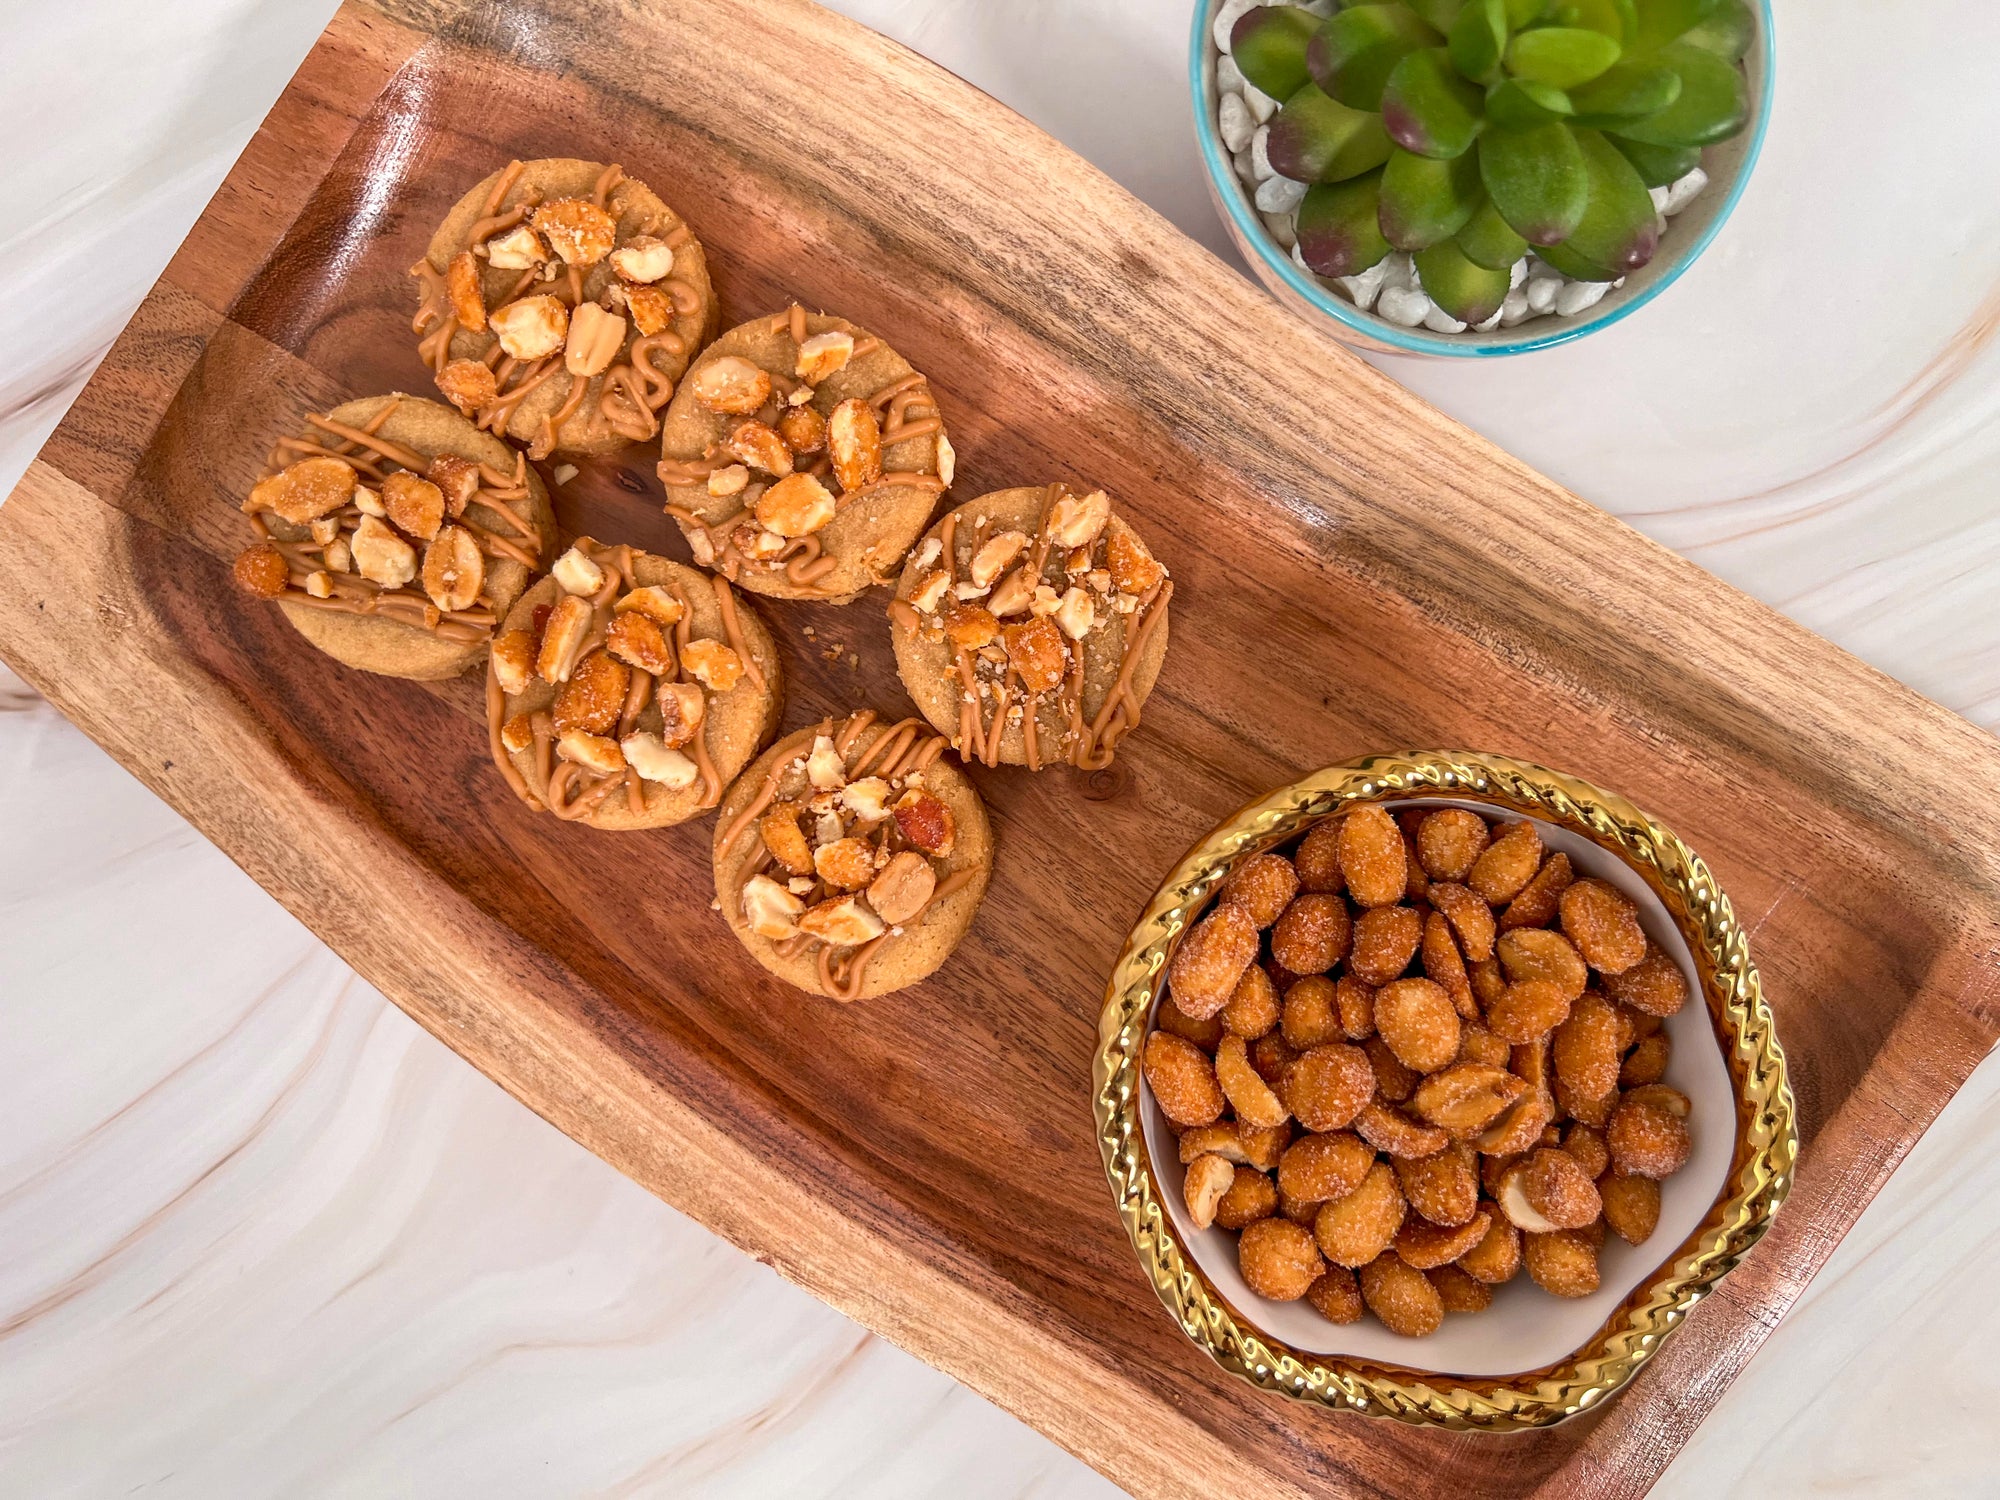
[
  {"x": 1425, "y": 200},
  {"x": 1619, "y": 228},
  {"x": 1626, "y": 91},
  {"x": 1536, "y": 179},
  {"x": 1561, "y": 55},
  {"x": 1488, "y": 240},
  {"x": 1660, "y": 21},
  {"x": 1269, "y": 45},
  {"x": 1469, "y": 292},
  {"x": 1615, "y": 18},
  {"x": 1318, "y": 139},
  {"x": 1713, "y": 104},
  {"x": 1728, "y": 33},
  {"x": 1427, "y": 108},
  {"x": 1525, "y": 12},
  {"x": 1437, "y": 14},
  {"x": 1351, "y": 55},
  {"x": 1521, "y": 105},
  {"x": 1339, "y": 232},
  {"x": 1574, "y": 266},
  {"x": 1658, "y": 165},
  {"x": 1479, "y": 40}
]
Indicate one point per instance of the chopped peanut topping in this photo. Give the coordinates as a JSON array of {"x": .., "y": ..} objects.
[
  {"x": 457, "y": 480},
  {"x": 730, "y": 384},
  {"x": 682, "y": 708},
  {"x": 652, "y": 309},
  {"x": 514, "y": 660},
  {"x": 461, "y": 284},
  {"x": 454, "y": 569},
  {"x": 262, "y": 570},
  {"x": 797, "y": 505},
  {"x": 415, "y": 505},
  {"x": 595, "y": 337},
  {"x": 823, "y": 354},
  {"x": 652, "y": 600},
  {"x": 712, "y": 664},
  {"x": 532, "y": 328},
  {"x": 563, "y": 638},
  {"x": 854, "y": 440},
  {"x": 516, "y": 250},
  {"x": 760, "y": 447},
  {"x": 638, "y": 641},
  {"x": 655, "y": 760},
  {"x": 306, "y": 490},
  {"x": 645, "y": 259},
  {"x": 1078, "y": 520},
  {"x": 842, "y": 923},
  {"x": 381, "y": 556},
  {"x": 591, "y": 751},
  {"x": 803, "y": 429},
  {"x": 468, "y": 384},
  {"x": 580, "y": 232}
]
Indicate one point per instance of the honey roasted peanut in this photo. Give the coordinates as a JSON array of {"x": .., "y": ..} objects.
[{"x": 1413, "y": 1085}]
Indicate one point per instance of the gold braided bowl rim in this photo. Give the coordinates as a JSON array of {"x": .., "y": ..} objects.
[{"x": 1761, "y": 1169}]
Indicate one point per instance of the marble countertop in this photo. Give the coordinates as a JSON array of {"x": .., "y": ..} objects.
[{"x": 264, "y": 1236}]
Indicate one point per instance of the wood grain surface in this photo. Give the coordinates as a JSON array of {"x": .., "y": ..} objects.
[{"x": 1354, "y": 573}]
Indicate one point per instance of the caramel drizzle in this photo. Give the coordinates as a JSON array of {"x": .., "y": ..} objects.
[
  {"x": 366, "y": 451},
  {"x": 905, "y": 746},
  {"x": 558, "y": 780},
  {"x": 630, "y": 394},
  {"x": 1087, "y": 746}
]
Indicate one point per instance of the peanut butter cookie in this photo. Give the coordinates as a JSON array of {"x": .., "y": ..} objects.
[
  {"x": 1030, "y": 625},
  {"x": 394, "y": 535},
  {"x": 626, "y": 691},
  {"x": 851, "y": 858},
  {"x": 559, "y": 302},
  {"x": 802, "y": 456}
]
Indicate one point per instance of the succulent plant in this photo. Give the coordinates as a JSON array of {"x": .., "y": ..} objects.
[{"x": 1470, "y": 132}]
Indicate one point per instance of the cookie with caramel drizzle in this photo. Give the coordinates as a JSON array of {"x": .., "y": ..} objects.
[
  {"x": 1030, "y": 625},
  {"x": 851, "y": 858},
  {"x": 627, "y": 691},
  {"x": 393, "y": 535},
  {"x": 802, "y": 455},
  {"x": 559, "y": 302}
]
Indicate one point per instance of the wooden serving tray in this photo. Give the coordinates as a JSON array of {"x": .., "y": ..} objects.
[{"x": 1354, "y": 572}]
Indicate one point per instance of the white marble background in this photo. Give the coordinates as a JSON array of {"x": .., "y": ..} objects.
[{"x": 260, "y": 1235}]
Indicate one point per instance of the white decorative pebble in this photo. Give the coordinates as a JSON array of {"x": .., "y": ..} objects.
[
  {"x": 1232, "y": 118},
  {"x": 1228, "y": 77},
  {"x": 1579, "y": 296},
  {"x": 1515, "y": 309},
  {"x": 1399, "y": 269},
  {"x": 1227, "y": 15},
  {"x": 1404, "y": 307},
  {"x": 1280, "y": 195},
  {"x": 1684, "y": 191},
  {"x": 1363, "y": 287},
  {"x": 1245, "y": 168},
  {"x": 1283, "y": 228},
  {"x": 1491, "y": 323},
  {"x": 1517, "y": 273},
  {"x": 1440, "y": 321},
  {"x": 1542, "y": 292},
  {"x": 1659, "y": 197},
  {"x": 1260, "y": 154},
  {"x": 1318, "y": 7},
  {"x": 1262, "y": 105}
]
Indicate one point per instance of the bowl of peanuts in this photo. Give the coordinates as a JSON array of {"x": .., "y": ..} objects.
[{"x": 1440, "y": 1086}]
